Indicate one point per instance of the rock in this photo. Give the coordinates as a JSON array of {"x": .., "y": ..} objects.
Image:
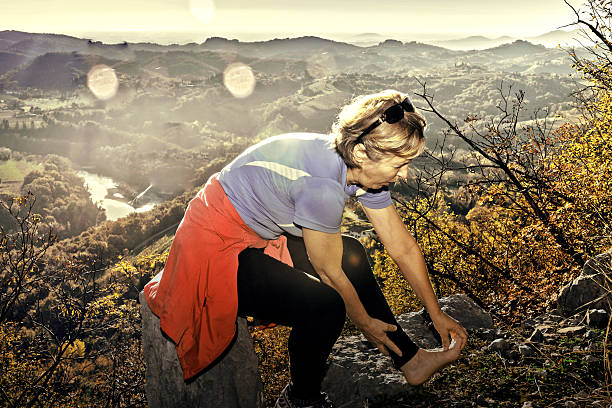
[
  {"x": 590, "y": 289},
  {"x": 499, "y": 346},
  {"x": 572, "y": 330},
  {"x": 233, "y": 381},
  {"x": 597, "y": 318},
  {"x": 527, "y": 404},
  {"x": 416, "y": 327},
  {"x": 536, "y": 337},
  {"x": 487, "y": 334},
  {"x": 514, "y": 356},
  {"x": 547, "y": 319},
  {"x": 468, "y": 313},
  {"x": 358, "y": 372},
  {"x": 418, "y": 324},
  {"x": 525, "y": 350}
]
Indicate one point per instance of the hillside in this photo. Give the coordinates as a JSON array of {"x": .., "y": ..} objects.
[
  {"x": 172, "y": 110},
  {"x": 476, "y": 42},
  {"x": 508, "y": 201},
  {"x": 518, "y": 48},
  {"x": 9, "y": 61},
  {"x": 55, "y": 71},
  {"x": 387, "y": 56}
]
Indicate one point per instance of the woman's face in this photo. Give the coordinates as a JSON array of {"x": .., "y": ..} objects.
[{"x": 380, "y": 173}]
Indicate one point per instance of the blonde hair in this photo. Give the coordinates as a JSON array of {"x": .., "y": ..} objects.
[{"x": 404, "y": 138}]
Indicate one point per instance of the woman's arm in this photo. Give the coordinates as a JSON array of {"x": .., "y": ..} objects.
[
  {"x": 325, "y": 254},
  {"x": 404, "y": 250},
  {"x": 406, "y": 253}
]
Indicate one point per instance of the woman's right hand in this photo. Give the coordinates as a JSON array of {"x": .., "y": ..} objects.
[{"x": 376, "y": 332}]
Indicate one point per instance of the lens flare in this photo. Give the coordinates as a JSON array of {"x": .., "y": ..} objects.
[
  {"x": 203, "y": 10},
  {"x": 102, "y": 82},
  {"x": 239, "y": 79}
]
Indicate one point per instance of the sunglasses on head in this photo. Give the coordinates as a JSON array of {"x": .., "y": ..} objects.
[{"x": 391, "y": 115}]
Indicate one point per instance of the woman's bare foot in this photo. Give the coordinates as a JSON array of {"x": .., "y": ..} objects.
[{"x": 424, "y": 363}]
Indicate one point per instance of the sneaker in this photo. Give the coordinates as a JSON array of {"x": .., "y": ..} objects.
[{"x": 286, "y": 401}]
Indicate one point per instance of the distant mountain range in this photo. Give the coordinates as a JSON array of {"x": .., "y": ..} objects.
[
  {"x": 52, "y": 61},
  {"x": 474, "y": 42},
  {"x": 551, "y": 40}
]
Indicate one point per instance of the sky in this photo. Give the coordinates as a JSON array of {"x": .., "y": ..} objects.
[{"x": 258, "y": 19}]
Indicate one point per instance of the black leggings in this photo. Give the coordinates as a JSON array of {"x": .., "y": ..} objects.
[{"x": 272, "y": 291}]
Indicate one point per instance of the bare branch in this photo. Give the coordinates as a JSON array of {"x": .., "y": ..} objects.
[{"x": 591, "y": 27}]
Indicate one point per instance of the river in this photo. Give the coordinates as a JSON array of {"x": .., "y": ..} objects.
[{"x": 116, "y": 207}]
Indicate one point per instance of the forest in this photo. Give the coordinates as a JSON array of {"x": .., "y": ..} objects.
[{"x": 512, "y": 196}]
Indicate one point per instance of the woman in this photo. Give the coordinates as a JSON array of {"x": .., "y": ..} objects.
[{"x": 262, "y": 239}]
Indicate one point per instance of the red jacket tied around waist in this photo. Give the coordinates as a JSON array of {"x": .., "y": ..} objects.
[{"x": 196, "y": 296}]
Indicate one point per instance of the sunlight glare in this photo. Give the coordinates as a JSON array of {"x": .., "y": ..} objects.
[
  {"x": 102, "y": 81},
  {"x": 203, "y": 10},
  {"x": 239, "y": 79}
]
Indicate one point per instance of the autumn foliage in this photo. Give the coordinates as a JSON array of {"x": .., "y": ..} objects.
[
  {"x": 543, "y": 206},
  {"x": 535, "y": 203}
]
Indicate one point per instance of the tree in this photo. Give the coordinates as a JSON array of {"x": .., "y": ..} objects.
[
  {"x": 539, "y": 193},
  {"x": 67, "y": 332},
  {"x": 597, "y": 30},
  {"x": 21, "y": 255},
  {"x": 61, "y": 197}
]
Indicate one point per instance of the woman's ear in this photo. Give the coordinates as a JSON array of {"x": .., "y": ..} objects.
[{"x": 359, "y": 153}]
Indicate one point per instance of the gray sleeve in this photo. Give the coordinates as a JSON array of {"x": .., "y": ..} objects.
[{"x": 319, "y": 204}]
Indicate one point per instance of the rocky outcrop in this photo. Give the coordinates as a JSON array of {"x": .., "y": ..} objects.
[
  {"x": 547, "y": 329},
  {"x": 358, "y": 373},
  {"x": 591, "y": 290},
  {"x": 583, "y": 305},
  {"x": 468, "y": 313},
  {"x": 232, "y": 382}
]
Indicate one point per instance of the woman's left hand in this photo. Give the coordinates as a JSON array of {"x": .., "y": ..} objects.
[{"x": 449, "y": 327}]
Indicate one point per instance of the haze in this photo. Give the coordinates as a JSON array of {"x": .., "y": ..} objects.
[{"x": 194, "y": 20}]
